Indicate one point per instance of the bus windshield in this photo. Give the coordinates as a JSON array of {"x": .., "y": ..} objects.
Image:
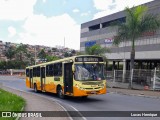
[{"x": 89, "y": 71}]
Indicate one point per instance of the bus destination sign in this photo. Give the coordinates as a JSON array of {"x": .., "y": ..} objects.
[{"x": 89, "y": 59}]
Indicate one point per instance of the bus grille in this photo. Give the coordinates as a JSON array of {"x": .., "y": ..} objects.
[
  {"x": 92, "y": 88},
  {"x": 91, "y": 83}
]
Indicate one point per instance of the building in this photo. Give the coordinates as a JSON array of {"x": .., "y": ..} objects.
[
  {"x": 2, "y": 49},
  {"x": 147, "y": 47}
]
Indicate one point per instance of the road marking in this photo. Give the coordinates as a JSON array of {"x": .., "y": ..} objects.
[{"x": 52, "y": 99}]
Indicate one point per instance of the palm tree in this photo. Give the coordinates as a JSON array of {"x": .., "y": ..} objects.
[
  {"x": 51, "y": 58},
  {"x": 137, "y": 23},
  {"x": 96, "y": 50}
]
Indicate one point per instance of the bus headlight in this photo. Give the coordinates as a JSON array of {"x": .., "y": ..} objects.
[
  {"x": 81, "y": 88},
  {"x": 77, "y": 86}
]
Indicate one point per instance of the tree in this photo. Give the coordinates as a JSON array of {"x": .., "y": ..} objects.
[
  {"x": 21, "y": 51},
  {"x": 137, "y": 23},
  {"x": 66, "y": 54},
  {"x": 31, "y": 59},
  {"x": 96, "y": 50},
  {"x": 73, "y": 52},
  {"x": 10, "y": 53},
  {"x": 42, "y": 54},
  {"x": 51, "y": 58}
]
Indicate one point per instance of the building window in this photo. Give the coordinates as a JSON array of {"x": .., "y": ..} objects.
[
  {"x": 107, "y": 24},
  {"x": 95, "y": 27}
]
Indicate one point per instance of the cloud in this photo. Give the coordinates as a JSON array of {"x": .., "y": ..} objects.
[
  {"x": 102, "y": 4},
  {"x": 86, "y": 13},
  {"x": 50, "y": 31},
  {"x": 44, "y": 1},
  {"x": 107, "y": 7},
  {"x": 64, "y": 2},
  {"x": 76, "y": 10},
  {"x": 12, "y": 31},
  {"x": 16, "y": 9}
]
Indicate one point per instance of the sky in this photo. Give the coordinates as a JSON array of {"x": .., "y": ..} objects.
[{"x": 51, "y": 22}]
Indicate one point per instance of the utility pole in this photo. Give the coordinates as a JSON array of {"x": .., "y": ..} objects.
[
  {"x": 64, "y": 42},
  {"x": 35, "y": 55}
]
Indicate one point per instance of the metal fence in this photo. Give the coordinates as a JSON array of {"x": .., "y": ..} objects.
[
  {"x": 156, "y": 80},
  {"x": 139, "y": 78}
]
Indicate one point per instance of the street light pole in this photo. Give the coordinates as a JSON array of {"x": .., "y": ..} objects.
[
  {"x": 35, "y": 55},
  {"x": 64, "y": 42}
]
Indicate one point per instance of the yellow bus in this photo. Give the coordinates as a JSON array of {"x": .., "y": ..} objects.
[{"x": 81, "y": 75}]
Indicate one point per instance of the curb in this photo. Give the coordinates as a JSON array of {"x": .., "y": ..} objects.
[
  {"x": 139, "y": 95},
  {"x": 51, "y": 99}
]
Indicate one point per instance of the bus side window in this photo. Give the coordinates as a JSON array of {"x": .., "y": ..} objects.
[
  {"x": 34, "y": 72},
  {"x": 49, "y": 70},
  {"x": 38, "y": 72},
  {"x": 58, "y": 69},
  {"x": 27, "y": 72}
]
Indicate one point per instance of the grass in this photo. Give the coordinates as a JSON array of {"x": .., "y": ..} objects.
[{"x": 10, "y": 102}]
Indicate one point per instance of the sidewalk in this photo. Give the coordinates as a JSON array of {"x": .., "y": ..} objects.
[
  {"x": 37, "y": 103},
  {"x": 143, "y": 93}
]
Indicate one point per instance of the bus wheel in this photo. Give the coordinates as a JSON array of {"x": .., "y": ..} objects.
[
  {"x": 84, "y": 97},
  {"x": 35, "y": 88},
  {"x": 60, "y": 93}
]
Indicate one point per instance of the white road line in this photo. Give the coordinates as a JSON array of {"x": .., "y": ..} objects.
[{"x": 53, "y": 99}]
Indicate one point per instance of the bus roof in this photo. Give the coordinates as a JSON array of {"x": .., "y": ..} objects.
[{"x": 61, "y": 60}]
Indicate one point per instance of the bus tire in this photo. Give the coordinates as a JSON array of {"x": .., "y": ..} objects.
[
  {"x": 60, "y": 93},
  {"x": 35, "y": 88},
  {"x": 84, "y": 97}
]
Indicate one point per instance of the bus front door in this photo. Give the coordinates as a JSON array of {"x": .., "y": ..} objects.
[
  {"x": 31, "y": 78},
  {"x": 42, "y": 78},
  {"x": 68, "y": 78}
]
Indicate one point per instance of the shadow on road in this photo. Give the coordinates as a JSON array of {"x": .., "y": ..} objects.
[{"x": 69, "y": 98}]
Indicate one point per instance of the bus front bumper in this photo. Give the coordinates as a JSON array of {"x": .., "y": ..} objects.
[{"x": 78, "y": 92}]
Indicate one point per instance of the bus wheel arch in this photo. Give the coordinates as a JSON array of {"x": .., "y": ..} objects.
[{"x": 60, "y": 92}]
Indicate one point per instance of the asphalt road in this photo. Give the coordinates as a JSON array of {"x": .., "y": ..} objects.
[{"x": 108, "y": 102}]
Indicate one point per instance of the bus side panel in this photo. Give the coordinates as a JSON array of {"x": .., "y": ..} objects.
[
  {"x": 27, "y": 82},
  {"x": 38, "y": 83},
  {"x": 52, "y": 83},
  {"x": 49, "y": 85}
]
